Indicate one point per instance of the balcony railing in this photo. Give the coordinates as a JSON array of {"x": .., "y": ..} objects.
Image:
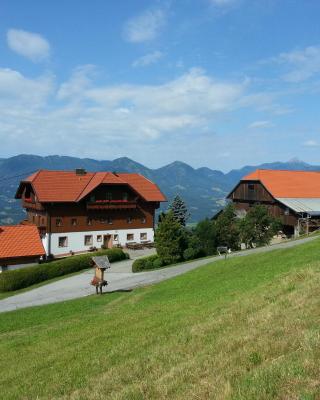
[
  {"x": 30, "y": 203},
  {"x": 111, "y": 204}
]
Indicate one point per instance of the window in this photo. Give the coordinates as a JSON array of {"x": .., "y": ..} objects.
[
  {"x": 143, "y": 220},
  {"x": 130, "y": 236},
  {"x": 109, "y": 221},
  {"x": 116, "y": 237},
  {"x": 109, "y": 196},
  {"x": 251, "y": 187},
  {"x": 143, "y": 236},
  {"x": 129, "y": 220},
  {"x": 58, "y": 222},
  {"x": 63, "y": 241},
  {"x": 88, "y": 240},
  {"x": 99, "y": 238},
  {"x": 286, "y": 211},
  {"x": 74, "y": 221},
  {"x": 125, "y": 196},
  {"x": 89, "y": 221}
]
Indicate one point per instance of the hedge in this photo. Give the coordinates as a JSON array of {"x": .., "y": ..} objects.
[
  {"x": 146, "y": 263},
  {"x": 22, "y": 278}
]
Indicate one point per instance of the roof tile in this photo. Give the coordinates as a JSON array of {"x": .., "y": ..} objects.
[
  {"x": 20, "y": 241},
  {"x": 288, "y": 184}
]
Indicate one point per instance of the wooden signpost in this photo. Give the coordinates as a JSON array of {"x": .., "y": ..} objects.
[{"x": 100, "y": 263}]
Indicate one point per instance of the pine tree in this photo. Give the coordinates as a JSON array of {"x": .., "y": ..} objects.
[
  {"x": 170, "y": 239},
  {"x": 179, "y": 210}
]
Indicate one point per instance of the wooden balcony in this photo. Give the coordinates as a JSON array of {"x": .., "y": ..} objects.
[
  {"x": 111, "y": 204},
  {"x": 31, "y": 204}
]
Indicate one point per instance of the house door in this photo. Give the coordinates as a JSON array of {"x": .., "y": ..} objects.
[{"x": 107, "y": 241}]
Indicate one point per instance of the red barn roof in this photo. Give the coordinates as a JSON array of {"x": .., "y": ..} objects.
[
  {"x": 20, "y": 241},
  {"x": 67, "y": 186},
  {"x": 288, "y": 184}
]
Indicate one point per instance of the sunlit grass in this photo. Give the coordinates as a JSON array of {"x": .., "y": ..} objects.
[{"x": 245, "y": 328}]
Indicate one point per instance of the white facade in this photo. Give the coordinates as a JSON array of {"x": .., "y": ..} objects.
[{"x": 75, "y": 241}]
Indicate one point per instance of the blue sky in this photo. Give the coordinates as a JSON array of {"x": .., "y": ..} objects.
[{"x": 217, "y": 83}]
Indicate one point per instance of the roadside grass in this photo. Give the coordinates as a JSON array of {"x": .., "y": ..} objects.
[{"x": 243, "y": 329}]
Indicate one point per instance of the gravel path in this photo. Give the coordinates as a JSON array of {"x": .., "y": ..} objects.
[{"x": 119, "y": 277}]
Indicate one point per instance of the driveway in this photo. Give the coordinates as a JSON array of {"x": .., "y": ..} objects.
[{"x": 120, "y": 278}]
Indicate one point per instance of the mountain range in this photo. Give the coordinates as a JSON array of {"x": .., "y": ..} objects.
[{"x": 203, "y": 189}]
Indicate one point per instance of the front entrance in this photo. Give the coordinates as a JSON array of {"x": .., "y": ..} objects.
[{"x": 107, "y": 241}]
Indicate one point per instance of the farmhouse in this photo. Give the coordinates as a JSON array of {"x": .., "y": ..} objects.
[
  {"x": 291, "y": 196},
  {"x": 78, "y": 210},
  {"x": 19, "y": 244}
]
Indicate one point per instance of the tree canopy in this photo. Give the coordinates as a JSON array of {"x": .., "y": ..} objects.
[{"x": 179, "y": 210}]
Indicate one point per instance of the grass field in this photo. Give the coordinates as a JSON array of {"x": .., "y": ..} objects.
[{"x": 245, "y": 328}]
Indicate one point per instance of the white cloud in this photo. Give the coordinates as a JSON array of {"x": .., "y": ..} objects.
[
  {"x": 28, "y": 44},
  {"x": 302, "y": 64},
  {"x": 16, "y": 90},
  {"x": 79, "y": 117},
  {"x": 311, "y": 143},
  {"x": 146, "y": 26},
  {"x": 148, "y": 59},
  {"x": 260, "y": 125}
]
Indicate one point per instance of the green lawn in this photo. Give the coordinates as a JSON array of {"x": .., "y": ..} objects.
[{"x": 245, "y": 328}]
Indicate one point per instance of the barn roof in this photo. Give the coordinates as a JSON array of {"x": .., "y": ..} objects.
[
  {"x": 20, "y": 241},
  {"x": 288, "y": 184},
  {"x": 68, "y": 186}
]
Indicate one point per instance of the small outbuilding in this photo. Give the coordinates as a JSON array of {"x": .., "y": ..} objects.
[{"x": 19, "y": 244}]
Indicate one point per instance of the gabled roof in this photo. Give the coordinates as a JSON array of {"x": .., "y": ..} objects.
[
  {"x": 20, "y": 241},
  {"x": 288, "y": 184},
  {"x": 67, "y": 186}
]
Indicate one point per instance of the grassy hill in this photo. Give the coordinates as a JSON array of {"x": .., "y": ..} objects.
[{"x": 246, "y": 328}]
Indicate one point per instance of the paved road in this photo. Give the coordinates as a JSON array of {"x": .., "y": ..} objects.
[{"x": 119, "y": 277}]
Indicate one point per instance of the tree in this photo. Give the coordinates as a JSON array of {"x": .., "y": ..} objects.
[
  {"x": 170, "y": 239},
  {"x": 227, "y": 228},
  {"x": 258, "y": 227},
  {"x": 180, "y": 210},
  {"x": 206, "y": 233}
]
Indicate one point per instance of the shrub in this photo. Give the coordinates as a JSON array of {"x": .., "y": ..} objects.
[
  {"x": 147, "y": 263},
  {"x": 22, "y": 278}
]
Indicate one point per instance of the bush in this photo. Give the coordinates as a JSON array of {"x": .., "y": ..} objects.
[
  {"x": 22, "y": 278},
  {"x": 147, "y": 263}
]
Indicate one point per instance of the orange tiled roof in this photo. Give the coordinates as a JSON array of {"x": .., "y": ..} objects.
[
  {"x": 288, "y": 184},
  {"x": 65, "y": 186},
  {"x": 20, "y": 241}
]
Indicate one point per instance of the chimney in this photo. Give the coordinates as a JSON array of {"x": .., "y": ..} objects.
[{"x": 80, "y": 171}]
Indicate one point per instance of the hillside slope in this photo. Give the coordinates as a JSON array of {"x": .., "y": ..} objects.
[
  {"x": 203, "y": 189},
  {"x": 245, "y": 328}
]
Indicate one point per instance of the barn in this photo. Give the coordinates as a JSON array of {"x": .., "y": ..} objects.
[{"x": 291, "y": 196}]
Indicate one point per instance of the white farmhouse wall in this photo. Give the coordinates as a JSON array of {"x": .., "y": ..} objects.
[{"x": 75, "y": 241}]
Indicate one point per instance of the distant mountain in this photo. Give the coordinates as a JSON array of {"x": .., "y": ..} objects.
[{"x": 203, "y": 189}]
